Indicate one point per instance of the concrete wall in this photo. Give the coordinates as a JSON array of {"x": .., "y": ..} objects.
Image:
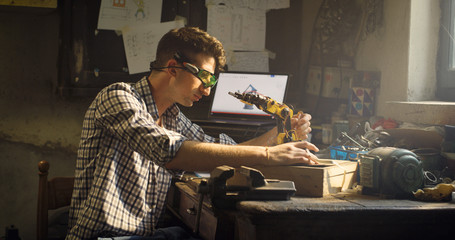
[
  {"x": 282, "y": 39},
  {"x": 423, "y": 48},
  {"x": 387, "y": 51},
  {"x": 404, "y": 50},
  {"x": 35, "y": 124}
]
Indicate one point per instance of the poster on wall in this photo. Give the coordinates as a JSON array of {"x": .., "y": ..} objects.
[
  {"x": 115, "y": 14},
  {"x": 241, "y": 27},
  {"x": 236, "y": 27}
]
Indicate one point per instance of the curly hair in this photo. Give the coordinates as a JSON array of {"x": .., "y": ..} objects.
[{"x": 189, "y": 41}]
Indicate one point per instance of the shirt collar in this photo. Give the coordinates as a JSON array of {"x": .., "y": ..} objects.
[{"x": 143, "y": 88}]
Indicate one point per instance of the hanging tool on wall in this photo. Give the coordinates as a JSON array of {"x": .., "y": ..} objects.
[{"x": 280, "y": 111}]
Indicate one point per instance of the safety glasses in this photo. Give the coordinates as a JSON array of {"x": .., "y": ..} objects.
[{"x": 207, "y": 78}]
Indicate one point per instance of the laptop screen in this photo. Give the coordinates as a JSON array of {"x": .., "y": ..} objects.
[{"x": 267, "y": 84}]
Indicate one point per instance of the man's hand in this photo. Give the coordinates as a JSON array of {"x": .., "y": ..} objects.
[
  {"x": 300, "y": 122},
  {"x": 292, "y": 153}
]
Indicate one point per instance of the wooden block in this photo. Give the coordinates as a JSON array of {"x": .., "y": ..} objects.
[{"x": 330, "y": 177}]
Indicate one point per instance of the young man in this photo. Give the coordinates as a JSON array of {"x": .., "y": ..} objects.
[{"x": 134, "y": 138}]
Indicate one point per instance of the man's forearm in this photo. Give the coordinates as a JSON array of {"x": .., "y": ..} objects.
[{"x": 197, "y": 156}]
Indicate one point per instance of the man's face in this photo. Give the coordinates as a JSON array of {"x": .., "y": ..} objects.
[{"x": 187, "y": 87}]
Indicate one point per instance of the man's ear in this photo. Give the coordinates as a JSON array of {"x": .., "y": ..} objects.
[{"x": 171, "y": 63}]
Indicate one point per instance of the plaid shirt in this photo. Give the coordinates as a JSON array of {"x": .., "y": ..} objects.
[{"x": 120, "y": 181}]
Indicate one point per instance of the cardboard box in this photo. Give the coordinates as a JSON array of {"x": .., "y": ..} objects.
[{"x": 330, "y": 177}]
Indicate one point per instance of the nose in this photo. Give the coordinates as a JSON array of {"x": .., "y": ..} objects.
[{"x": 205, "y": 91}]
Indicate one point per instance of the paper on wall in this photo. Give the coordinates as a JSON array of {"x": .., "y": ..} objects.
[
  {"x": 241, "y": 25},
  {"x": 237, "y": 28},
  {"x": 140, "y": 43},
  {"x": 116, "y": 14}
]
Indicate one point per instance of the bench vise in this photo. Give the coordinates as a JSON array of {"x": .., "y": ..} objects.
[{"x": 228, "y": 185}]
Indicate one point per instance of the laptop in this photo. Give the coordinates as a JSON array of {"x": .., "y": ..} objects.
[{"x": 226, "y": 109}]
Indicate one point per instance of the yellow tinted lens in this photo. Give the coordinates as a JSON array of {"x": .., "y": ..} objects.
[{"x": 207, "y": 78}]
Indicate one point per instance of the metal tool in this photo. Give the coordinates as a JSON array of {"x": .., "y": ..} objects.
[
  {"x": 248, "y": 184},
  {"x": 344, "y": 134},
  {"x": 341, "y": 139}
]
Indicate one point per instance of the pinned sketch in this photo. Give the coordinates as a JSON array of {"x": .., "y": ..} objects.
[
  {"x": 249, "y": 61},
  {"x": 141, "y": 42},
  {"x": 219, "y": 18},
  {"x": 237, "y": 28},
  {"x": 116, "y": 14}
]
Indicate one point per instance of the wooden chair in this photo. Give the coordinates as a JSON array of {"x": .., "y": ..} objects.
[{"x": 52, "y": 194}]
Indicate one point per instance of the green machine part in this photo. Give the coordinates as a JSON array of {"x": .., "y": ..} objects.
[{"x": 390, "y": 171}]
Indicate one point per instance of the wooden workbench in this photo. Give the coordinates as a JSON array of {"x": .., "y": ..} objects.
[{"x": 344, "y": 215}]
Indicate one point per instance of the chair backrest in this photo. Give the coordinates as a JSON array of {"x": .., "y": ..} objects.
[{"x": 52, "y": 194}]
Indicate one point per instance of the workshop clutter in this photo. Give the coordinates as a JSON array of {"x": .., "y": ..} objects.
[
  {"x": 431, "y": 160},
  {"x": 440, "y": 192},
  {"x": 336, "y": 84},
  {"x": 400, "y": 160},
  {"x": 346, "y": 153},
  {"x": 393, "y": 160},
  {"x": 439, "y": 169},
  {"x": 383, "y": 123},
  {"x": 384, "y": 158}
]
